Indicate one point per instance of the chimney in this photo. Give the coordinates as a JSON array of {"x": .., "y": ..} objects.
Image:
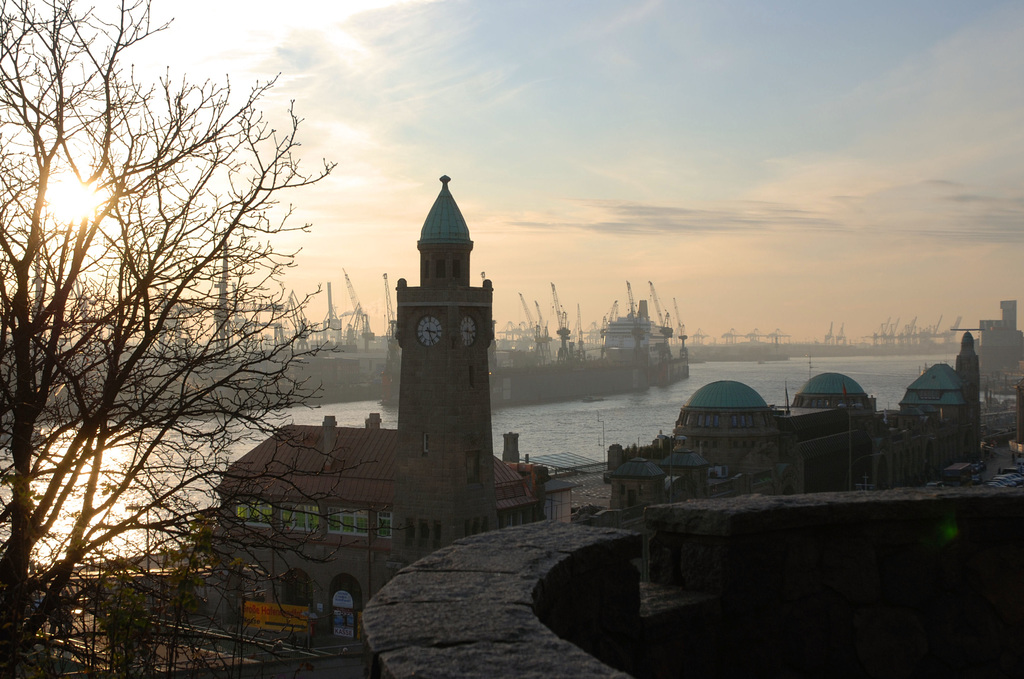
[
  {"x": 373, "y": 421},
  {"x": 511, "y": 450},
  {"x": 330, "y": 435},
  {"x": 642, "y": 310}
]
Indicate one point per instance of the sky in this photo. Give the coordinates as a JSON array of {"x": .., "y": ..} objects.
[{"x": 771, "y": 165}]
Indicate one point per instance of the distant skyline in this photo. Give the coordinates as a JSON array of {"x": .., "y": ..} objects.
[{"x": 767, "y": 165}]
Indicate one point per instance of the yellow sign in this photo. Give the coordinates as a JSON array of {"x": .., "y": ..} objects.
[{"x": 276, "y": 616}]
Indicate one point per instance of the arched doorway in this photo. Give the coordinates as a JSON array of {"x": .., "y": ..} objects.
[{"x": 346, "y": 607}]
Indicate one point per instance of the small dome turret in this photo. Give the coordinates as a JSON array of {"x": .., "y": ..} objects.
[{"x": 445, "y": 224}]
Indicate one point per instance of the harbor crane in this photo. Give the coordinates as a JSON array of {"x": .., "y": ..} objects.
[
  {"x": 680, "y": 330},
  {"x": 663, "y": 319},
  {"x": 541, "y": 340},
  {"x": 699, "y": 336},
  {"x": 638, "y": 332},
  {"x": 612, "y": 315},
  {"x": 299, "y": 321},
  {"x": 360, "y": 322},
  {"x": 561, "y": 319},
  {"x": 392, "y": 323},
  {"x": 543, "y": 337},
  {"x": 529, "y": 316},
  {"x": 829, "y": 337},
  {"x": 680, "y": 326},
  {"x": 657, "y": 303},
  {"x": 581, "y": 352}
]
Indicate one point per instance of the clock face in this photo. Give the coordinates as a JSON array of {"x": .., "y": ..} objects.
[
  {"x": 468, "y": 329},
  {"x": 428, "y": 331}
]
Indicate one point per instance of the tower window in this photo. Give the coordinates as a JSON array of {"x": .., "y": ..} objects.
[
  {"x": 426, "y": 443},
  {"x": 424, "y": 532},
  {"x": 456, "y": 268},
  {"x": 437, "y": 534},
  {"x": 439, "y": 269},
  {"x": 425, "y": 270}
]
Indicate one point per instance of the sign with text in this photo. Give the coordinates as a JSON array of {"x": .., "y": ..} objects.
[
  {"x": 344, "y": 615},
  {"x": 276, "y": 616}
]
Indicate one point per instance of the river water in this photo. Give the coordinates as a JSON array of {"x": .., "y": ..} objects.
[{"x": 587, "y": 429}]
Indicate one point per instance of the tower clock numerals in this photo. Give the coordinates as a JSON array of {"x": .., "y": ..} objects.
[
  {"x": 468, "y": 330},
  {"x": 428, "y": 331}
]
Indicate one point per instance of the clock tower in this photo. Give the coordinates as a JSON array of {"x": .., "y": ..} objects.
[{"x": 444, "y": 475}]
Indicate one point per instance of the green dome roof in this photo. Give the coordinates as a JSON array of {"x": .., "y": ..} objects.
[
  {"x": 831, "y": 383},
  {"x": 938, "y": 385},
  {"x": 445, "y": 223},
  {"x": 683, "y": 458},
  {"x": 725, "y": 395},
  {"x": 638, "y": 468}
]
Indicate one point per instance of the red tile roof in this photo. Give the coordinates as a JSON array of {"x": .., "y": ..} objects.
[
  {"x": 290, "y": 466},
  {"x": 360, "y": 469},
  {"x": 511, "y": 489}
]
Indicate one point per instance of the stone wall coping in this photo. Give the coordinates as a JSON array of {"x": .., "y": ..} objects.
[
  {"x": 757, "y": 514},
  {"x": 471, "y": 609}
]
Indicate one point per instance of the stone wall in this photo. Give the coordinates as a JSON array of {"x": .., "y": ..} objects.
[
  {"x": 893, "y": 584},
  {"x": 542, "y": 600}
]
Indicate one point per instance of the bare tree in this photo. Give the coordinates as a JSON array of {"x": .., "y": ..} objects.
[{"x": 142, "y": 336}]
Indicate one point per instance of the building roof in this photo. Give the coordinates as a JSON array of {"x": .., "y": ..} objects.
[
  {"x": 511, "y": 489},
  {"x": 938, "y": 385},
  {"x": 726, "y": 395},
  {"x": 831, "y": 384},
  {"x": 683, "y": 458},
  {"x": 445, "y": 223},
  {"x": 289, "y": 466},
  {"x": 638, "y": 468},
  {"x": 359, "y": 471}
]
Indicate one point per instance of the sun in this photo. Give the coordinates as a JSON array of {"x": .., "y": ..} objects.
[{"x": 69, "y": 200}]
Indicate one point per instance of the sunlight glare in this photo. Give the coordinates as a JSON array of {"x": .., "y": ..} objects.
[{"x": 69, "y": 200}]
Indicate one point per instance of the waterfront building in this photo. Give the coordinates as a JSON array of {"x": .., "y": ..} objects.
[
  {"x": 322, "y": 516},
  {"x": 1001, "y": 347},
  {"x": 637, "y": 482},
  {"x": 831, "y": 438}
]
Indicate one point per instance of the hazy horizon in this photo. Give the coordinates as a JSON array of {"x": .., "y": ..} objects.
[{"x": 768, "y": 165}]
